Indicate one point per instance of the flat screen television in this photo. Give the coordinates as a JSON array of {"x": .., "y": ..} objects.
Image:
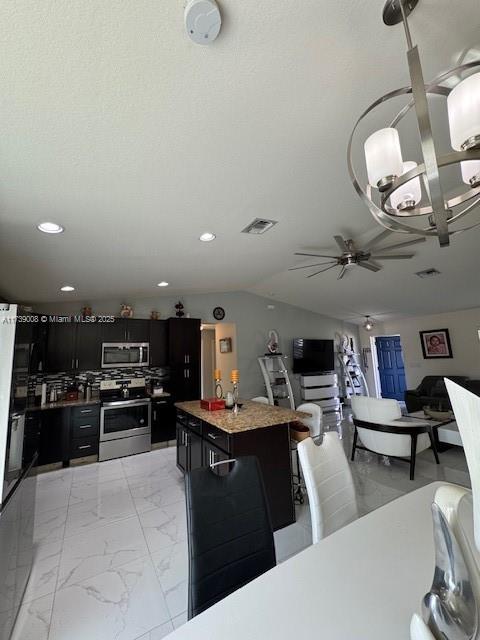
[{"x": 312, "y": 356}]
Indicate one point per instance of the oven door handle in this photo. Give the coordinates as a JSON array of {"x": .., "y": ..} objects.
[{"x": 127, "y": 403}]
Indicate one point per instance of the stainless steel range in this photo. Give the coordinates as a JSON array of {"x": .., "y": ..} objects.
[{"x": 125, "y": 418}]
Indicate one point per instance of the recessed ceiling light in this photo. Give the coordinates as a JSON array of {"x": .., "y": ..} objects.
[
  {"x": 67, "y": 287},
  {"x": 162, "y": 284},
  {"x": 50, "y": 227},
  {"x": 207, "y": 237}
]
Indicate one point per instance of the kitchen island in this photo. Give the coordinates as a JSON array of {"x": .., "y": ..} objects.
[{"x": 206, "y": 437}]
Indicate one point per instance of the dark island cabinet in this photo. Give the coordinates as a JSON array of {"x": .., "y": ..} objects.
[
  {"x": 200, "y": 443},
  {"x": 184, "y": 357}
]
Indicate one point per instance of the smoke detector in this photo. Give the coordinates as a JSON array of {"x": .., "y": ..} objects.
[
  {"x": 259, "y": 225},
  {"x": 202, "y": 21}
]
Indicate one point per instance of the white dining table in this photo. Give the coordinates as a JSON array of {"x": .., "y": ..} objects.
[{"x": 363, "y": 582}]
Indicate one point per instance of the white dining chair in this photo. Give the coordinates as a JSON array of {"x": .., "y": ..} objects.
[
  {"x": 329, "y": 483},
  {"x": 314, "y": 422},
  {"x": 261, "y": 399}
]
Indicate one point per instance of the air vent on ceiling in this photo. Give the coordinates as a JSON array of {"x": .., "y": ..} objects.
[
  {"x": 259, "y": 225},
  {"x": 428, "y": 273}
]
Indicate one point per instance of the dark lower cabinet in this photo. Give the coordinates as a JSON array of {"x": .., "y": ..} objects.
[
  {"x": 66, "y": 433},
  {"x": 54, "y": 436},
  {"x": 163, "y": 420}
]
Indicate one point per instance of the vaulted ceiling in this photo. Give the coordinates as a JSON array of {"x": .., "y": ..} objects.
[{"x": 114, "y": 124}]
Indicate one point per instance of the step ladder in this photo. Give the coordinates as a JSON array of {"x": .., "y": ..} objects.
[
  {"x": 354, "y": 381},
  {"x": 275, "y": 375}
]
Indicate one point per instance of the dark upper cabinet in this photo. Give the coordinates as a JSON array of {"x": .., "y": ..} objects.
[
  {"x": 115, "y": 331},
  {"x": 88, "y": 346},
  {"x": 158, "y": 343},
  {"x": 61, "y": 346},
  {"x": 137, "y": 330},
  {"x": 73, "y": 345},
  {"x": 184, "y": 357},
  {"x": 126, "y": 330}
]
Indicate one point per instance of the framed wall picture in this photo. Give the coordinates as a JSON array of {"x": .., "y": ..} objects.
[
  {"x": 225, "y": 345},
  {"x": 436, "y": 344}
]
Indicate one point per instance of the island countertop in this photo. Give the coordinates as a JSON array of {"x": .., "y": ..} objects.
[{"x": 252, "y": 415}]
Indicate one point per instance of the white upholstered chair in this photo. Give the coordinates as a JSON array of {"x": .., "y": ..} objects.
[
  {"x": 329, "y": 483},
  {"x": 379, "y": 425},
  {"x": 314, "y": 422},
  {"x": 261, "y": 399}
]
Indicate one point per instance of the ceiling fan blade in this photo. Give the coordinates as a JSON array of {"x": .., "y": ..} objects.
[
  {"x": 341, "y": 243},
  {"x": 376, "y": 240},
  {"x": 321, "y": 271},
  {"x": 342, "y": 273},
  {"x": 407, "y": 243},
  {"x": 369, "y": 266},
  {"x": 401, "y": 256},
  {"x": 308, "y": 266},
  {"x": 315, "y": 255}
]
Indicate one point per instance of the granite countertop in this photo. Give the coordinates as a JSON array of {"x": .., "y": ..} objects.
[
  {"x": 63, "y": 404},
  {"x": 252, "y": 415}
]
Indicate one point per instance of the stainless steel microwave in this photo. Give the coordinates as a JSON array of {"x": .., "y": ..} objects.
[{"x": 125, "y": 354}]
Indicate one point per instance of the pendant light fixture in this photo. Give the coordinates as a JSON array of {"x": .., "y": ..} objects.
[
  {"x": 368, "y": 324},
  {"x": 406, "y": 196}
]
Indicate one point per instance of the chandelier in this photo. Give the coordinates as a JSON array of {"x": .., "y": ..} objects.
[{"x": 407, "y": 197}]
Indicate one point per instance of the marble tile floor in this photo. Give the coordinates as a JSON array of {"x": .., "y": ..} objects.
[{"x": 111, "y": 551}]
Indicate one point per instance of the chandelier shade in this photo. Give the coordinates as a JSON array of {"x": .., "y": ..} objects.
[
  {"x": 408, "y": 195},
  {"x": 463, "y": 105},
  {"x": 383, "y": 157},
  {"x": 471, "y": 172},
  {"x": 411, "y": 197}
]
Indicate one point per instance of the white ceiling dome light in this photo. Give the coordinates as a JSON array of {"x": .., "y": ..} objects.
[
  {"x": 202, "y": 21},
  {"x": 67, "y": 288},
  {"x": 162, "y": 284},
  {"x": 50, "y": 227}
]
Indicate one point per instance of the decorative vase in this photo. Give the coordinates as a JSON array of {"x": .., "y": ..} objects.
[{"x": 450, "y": 608}]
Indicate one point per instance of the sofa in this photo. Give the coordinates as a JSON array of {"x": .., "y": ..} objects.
[{"x": 432, "y": 392}]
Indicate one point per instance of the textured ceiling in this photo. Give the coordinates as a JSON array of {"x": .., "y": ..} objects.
[{"x": 116, "y": 125}]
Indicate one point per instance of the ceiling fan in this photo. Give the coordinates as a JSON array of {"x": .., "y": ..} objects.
[{"x": 351, "y": 255}]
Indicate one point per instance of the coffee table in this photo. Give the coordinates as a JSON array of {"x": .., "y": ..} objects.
[{"x": 445, "y": 432}]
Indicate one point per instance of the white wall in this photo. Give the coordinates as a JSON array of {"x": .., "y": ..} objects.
[
  {"x": 253, "y": 320},
  {"x": 463, "y": 327}
]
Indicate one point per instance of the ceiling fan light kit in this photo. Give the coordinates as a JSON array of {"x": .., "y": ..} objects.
[{"x": 394, "y": 193}]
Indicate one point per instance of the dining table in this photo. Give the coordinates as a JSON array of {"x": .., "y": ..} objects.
[{"x": 363, "y": 582}]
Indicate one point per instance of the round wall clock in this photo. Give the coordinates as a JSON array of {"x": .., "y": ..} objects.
[{"x": 219, "y": 313}]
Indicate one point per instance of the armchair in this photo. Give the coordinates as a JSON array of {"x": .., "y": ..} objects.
[{"x": 379, "y": 425}]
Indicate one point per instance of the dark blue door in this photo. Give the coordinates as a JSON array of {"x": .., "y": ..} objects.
[{"x": 390, "y": 367}]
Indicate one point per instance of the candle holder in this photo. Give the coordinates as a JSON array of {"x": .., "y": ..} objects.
[{"x": 218, "y": 388}]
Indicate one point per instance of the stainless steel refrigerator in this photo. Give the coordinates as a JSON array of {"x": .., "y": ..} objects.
[{"x": 18, "y": 455}]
